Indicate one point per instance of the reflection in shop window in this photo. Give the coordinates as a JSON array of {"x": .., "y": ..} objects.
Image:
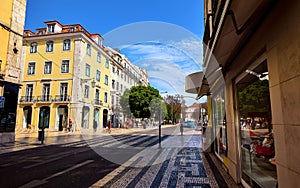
[
  {"x": 219, "y": 123},
  {"x": 257, "y": 141}
]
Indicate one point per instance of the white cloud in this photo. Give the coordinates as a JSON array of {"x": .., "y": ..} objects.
[{"x": 167, "y": 63}]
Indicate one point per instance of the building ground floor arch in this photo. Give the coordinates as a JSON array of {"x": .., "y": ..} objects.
[{"x": 27, "y": 117}]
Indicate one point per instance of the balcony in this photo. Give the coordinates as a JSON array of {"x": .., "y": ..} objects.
[
  {"x": 98, "y": 102},
  {"x": 61, "y": 99},
  {"x": 43, "y": 99},
  {"x": 26, "y": 99}
]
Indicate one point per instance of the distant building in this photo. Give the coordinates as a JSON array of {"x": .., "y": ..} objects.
[
  {"x": 69, "y": 74},
  {"x": 66, "y": 75},
  {"x": 196, "y": 112},
  {"x": 12, "y": 17},
  {"x": 124, "y": 75}
]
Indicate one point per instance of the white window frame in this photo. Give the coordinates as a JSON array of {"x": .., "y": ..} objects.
[
  {"x": 65, "y": 65},
  {"x": 106, "y": 80},
  {"x": 50, "y": 28},
  {"x": 49, "y": 46},
  {"x": 87, "y": 70},
  {"x": 46, "y": 92},
  {"x": 99, "y": 57},
  {"x": 107, "y": 63},
  {"x": 63, "y": 91},
  {"x": 31, "y": 68},
  {"x": 88, "y": 49},
  {"x": 48, "y": 67},
  {"x": 66, "y": 45},
  {"x": 33, "y": 47},
  {"x": 98, "y": 75},
  {"x": 105, "y": 97},
  {"x": 86, "y": 91}
]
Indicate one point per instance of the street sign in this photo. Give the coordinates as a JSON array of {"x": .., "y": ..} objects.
[{"x": 2, "y": 101}]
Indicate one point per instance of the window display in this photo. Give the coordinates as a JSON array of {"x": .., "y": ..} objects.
[
  {"x": 219, "y": 123},
  {"x": 258, "y": 163}
]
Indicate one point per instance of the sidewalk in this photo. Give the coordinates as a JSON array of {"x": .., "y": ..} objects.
[{"x": 178, "y": 163}]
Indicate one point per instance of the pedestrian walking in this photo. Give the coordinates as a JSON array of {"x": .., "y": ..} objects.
[
  {"x": 108, "y": 126},
  {"x": 70, "y": 125}
]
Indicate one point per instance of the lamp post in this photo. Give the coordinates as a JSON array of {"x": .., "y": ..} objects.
[{"x": 159, "y": 122}]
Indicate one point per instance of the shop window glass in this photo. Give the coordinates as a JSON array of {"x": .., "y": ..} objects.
[
  {"x": 219, "y": 125},
  {"x": 256, "y": 134}
]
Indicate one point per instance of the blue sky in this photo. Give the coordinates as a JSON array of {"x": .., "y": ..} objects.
[{"x": 163, "y": 36}]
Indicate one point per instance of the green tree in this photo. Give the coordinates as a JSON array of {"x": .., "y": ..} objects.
[
  {"x": 173, "y": 104},
  {"x": 254, "y": 98},
  {"x": 139, "y": 100}
]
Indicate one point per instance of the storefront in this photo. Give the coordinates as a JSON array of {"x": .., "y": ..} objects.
[
  {"x": 257, "y": 151},
  {"x": 219, "y": 124}
]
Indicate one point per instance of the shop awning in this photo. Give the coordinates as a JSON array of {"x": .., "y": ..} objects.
[{"x": 196, "y": 83}]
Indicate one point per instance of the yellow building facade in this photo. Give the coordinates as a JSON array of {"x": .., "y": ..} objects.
[
  {"x": 12, "y": 18},
  {"x": 65, "y": 79}
]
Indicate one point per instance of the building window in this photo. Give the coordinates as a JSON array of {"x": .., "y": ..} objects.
[
  {"x": 46, "y": 92},
  {"x": 106, "y": 80},
  {"x": 99, "y": 57},
  {"x": 65, "y": 66},
  {"x": 31, "y": 68},
  {"x": 121, "y": 88},
  {"x": 113, "y": 69},
  {"x": 49, "y": 46},
  {"x": 97, "y": 94},
  {"x": 33, "y": 47},
  {"x": 87, "y": 70},
  {"x": 98, "y": 74},
  {"x": 88, "y": 49},
  {"x": 86, "y": 91},
  {"x": 40, "y": 32},
  {"x": 29, "y": 92},
  {"x": 48, "y": 67},
  {"x": 72, "y": 29},
  {"x": 112, "y": 99},
  {"x": 66, "y": 45},
  {"x": 255, "y": 126},
  {"x": 113, "y": 84},
  {"x": 117, "y": 86},
  {"x": 105, "y": 97},
  {"x": 63, "y": 92},
  {"x": 107, "y": 63},
  {"x": 50, "y": 28}
]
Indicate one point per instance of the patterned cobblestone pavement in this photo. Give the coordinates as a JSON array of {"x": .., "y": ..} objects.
[
  {"x": 178, "y": 163},
  {"x": 172, "y": 167}
]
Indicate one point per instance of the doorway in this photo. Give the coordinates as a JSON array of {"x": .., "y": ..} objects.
[
  {"x": 44, "y": 117},
  {"x": 27, "y": 111},
  {"x": 105, "y": 114}
]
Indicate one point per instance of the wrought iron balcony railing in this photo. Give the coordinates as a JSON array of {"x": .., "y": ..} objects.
[
  {"x": 98, "y": 102},
  {"x": 61, "y": 98},
  {"x": 28, "y": 99},
  {"x": 43, "y": 98}
]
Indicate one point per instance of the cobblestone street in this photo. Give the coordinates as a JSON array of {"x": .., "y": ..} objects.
[{"x": 179, "y": 162}]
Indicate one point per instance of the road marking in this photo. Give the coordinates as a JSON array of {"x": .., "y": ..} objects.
[
  {"x": 35, "y": 183},
  {"x": 56, "y": 158}
]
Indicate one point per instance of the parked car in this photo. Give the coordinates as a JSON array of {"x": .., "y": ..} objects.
[{"x": 189, "y": 124}]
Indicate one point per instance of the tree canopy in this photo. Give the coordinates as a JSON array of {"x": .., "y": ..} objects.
[
  {"x": 254, "y": 98},
  {"x": 136, "y": 101}
]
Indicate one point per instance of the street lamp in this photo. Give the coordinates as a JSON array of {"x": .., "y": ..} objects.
[
  {"x": 159, "y": 123},
  {"x": 86, "y": 80}
]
